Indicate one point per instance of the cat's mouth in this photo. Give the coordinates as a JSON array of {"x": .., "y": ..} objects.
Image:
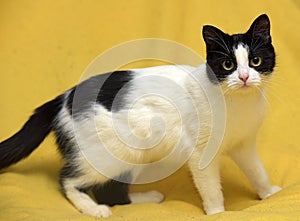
[{"x": 247, "y": 86}]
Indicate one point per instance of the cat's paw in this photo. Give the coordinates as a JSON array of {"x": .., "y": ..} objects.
[
  {"x": 147, "y": 197},
  {"x": 272, "y": 190},
  {"x": 155, "y": 196},
  {"x": 212, "y": 211},
  {"x": 101, "y": 211}
]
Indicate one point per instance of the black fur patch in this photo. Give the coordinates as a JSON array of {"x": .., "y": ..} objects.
[
  {"x": 66, "y": 145},
  {"x": 101, "y": 89},
  {"x": 113, "y": 192},
  {"x": 219, "y": 47}
]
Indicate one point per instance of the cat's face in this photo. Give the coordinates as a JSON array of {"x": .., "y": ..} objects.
[{"x": 240, "y": 61}]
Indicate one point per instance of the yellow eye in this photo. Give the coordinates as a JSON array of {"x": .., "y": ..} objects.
[
  {"x": 256, "y": 61},
  {"x": 228, "y": 65}
]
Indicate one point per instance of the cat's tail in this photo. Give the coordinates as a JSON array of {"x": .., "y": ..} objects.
[{"x": 34, "y": 131}]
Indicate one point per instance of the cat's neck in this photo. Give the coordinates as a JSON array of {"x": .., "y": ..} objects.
[{"x": 245, "y": 103}]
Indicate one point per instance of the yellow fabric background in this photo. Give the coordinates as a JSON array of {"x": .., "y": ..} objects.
[{"x": 44, "y": 47}]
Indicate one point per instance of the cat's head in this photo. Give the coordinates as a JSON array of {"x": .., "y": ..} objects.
[{"x": 240, "y": 61}]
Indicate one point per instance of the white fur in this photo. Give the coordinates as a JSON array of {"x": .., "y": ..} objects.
[
  {"x": 83, "y": 202},
  {"x": 147, "y": 197},
  {"x": 159, "y": 111},
  {"x": 105, "y": 141}
]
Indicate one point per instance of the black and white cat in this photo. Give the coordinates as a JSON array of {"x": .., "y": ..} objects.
[{"x": 239, "y": 64}]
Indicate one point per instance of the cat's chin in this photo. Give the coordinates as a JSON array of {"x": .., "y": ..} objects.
[{"x": 245, "y": 87}]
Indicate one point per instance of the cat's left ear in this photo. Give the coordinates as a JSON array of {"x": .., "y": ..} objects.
[
  {"x": 213, "y": 36},
  {"x": 260, "y": 28}
]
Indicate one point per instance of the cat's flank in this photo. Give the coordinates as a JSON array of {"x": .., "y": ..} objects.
[{"x": 239, "y": 64}]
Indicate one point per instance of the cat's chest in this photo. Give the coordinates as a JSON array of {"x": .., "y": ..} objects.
[{"x": 244, "y": 115}]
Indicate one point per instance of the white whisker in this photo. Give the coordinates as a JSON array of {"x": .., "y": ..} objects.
[
  {"x": 272, "y": 92},
  {"x": 263, "y": 95}
]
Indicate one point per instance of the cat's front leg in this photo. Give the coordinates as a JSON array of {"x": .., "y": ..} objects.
[
  {"x": 208, "y": 183},
  {"x": 247, "y": 159}
]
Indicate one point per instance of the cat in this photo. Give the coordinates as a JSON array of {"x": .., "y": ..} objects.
[{"x": 239, "y": 64}]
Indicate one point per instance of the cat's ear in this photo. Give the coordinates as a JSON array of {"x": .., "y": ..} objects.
[
  {"x": 212, "y": 35},
  {"x": 260, "y": 28}
]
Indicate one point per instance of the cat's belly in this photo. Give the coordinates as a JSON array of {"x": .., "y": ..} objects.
[
  {"x": 140, "y": 137},
  {"x": 114, "y": 144}
]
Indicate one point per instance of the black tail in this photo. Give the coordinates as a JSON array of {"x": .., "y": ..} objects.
[{"x": 31, "y": 135}]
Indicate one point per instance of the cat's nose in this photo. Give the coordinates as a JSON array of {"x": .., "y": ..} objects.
[
  {"x": 243, "y": 72},
  {"x": 244, "y": 77}
]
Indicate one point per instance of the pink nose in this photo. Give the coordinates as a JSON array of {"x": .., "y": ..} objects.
[{"x": 244, "y": 77}]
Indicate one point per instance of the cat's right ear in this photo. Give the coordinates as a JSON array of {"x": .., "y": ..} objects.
[{"x": 212, "y": 35}]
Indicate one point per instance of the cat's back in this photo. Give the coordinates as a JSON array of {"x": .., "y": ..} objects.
[{"x": 114, "y": 90}]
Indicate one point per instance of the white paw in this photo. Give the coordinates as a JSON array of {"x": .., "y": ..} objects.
[
  {"x": 147, "y": 197},
  {"x": 214, "y": 210},
  {"x": 155, "y": 196},
  {"x": 100, "y": 211},
  {"x": 273, "y": 190}
]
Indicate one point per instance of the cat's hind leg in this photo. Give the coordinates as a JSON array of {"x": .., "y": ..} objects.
[
  {"x": 111, "y": 193},
  {"x": 82, "y": 200},
  {"x": 114, "y": 192},
  {"x": 74, "y": 183}
]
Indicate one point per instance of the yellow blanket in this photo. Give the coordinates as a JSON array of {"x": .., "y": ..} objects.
[{"x": 45, "y": 46}]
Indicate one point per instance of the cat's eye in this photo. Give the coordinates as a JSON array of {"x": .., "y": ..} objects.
[
  {"x": 256, "y": 61},
  {"x": 228, "y": 65}
]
